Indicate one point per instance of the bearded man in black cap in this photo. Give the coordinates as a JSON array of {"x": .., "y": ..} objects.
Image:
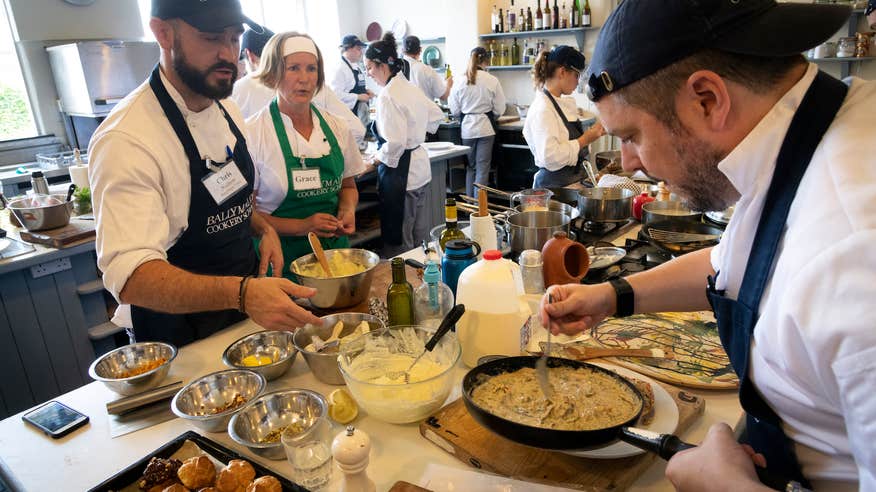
[
  {"x": 715, "y": 98},
  {"x": 172, "y": 185}
]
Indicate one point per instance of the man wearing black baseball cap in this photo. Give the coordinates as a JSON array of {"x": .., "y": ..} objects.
[
  {"x": 250, "y": 94},
  {"x": 172, "y": 186},
  {"x": 714, "y": 97},
  {"x": 348, "y": 78}
]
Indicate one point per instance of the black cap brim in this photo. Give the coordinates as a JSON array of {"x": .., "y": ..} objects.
[
  {"x": 785, "y": 29},
  {"x": 217, "y": 19}
]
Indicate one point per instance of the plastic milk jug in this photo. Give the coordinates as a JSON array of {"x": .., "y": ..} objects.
[{"x": 496, "y": 319}]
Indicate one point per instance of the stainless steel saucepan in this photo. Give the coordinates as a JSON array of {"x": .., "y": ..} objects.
[
  {"x": 39, "y": 212},
  {"x": 605, "y": 204}
]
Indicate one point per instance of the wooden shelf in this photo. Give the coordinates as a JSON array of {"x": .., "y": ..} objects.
[
  {"x": 495, "y": 68},
  {"x": 847, "y": 59},
  {"x": 440, "y": 40},
  {"x": 545, "y": 32}
]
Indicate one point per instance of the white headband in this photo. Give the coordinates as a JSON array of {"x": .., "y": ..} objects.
[{"x": 299, "y": 44}]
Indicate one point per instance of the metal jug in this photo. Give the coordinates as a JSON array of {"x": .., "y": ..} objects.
[{"x": 458, "y": 254}]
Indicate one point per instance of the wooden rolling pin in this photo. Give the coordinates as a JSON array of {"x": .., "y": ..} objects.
[{"x": 482, "y": 203}]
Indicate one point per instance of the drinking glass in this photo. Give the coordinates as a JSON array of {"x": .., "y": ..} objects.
[{"x": 310, "y": 453}]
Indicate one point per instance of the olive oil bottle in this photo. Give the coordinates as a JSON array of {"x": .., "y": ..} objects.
[
  {"x": 400, "y": 296},
  {"x": 451, "y": 226}
]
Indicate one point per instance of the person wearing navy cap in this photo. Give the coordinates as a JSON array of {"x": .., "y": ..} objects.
[
  {"x": 715, "y": 98},
  {"x": 172, "y": 187},
  {"x": 555, "y": 136},
  {"x": 348, "y": 78},
  {"x": 249, "y": 94}
]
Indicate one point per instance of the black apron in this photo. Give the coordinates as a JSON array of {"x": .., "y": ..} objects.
[
  {"x": 359, "y": 88},
  {"x": 392, "y": 185},
  {"x": 569, "y": 174},
  {"x": 205, "y": 247},
  {"x": 737, "y": 318}
]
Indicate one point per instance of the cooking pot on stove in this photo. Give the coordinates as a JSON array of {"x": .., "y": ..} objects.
[
  {"x": 668, "y": 211},
  {"x": 605, "y": 204},
  {"x": 530, "y": 230}
]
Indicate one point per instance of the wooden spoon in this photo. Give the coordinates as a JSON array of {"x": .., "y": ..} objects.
[
  {"x": 320, "y": 254},
  {"x": 482, "y": 203}
]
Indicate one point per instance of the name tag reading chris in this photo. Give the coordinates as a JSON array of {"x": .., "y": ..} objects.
[
  {"x": 224, "y": 183},
  {"x": 306, "y": 179}
]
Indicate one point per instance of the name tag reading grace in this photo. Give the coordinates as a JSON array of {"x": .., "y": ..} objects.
[
  {"x": 224, "y": 183},
  {"x": 306, "y": 179}
]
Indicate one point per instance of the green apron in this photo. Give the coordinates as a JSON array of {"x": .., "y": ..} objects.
[{"x": 303, "y": 204}]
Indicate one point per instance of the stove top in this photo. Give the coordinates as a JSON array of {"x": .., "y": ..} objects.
[{"x": 640, "y": 256}]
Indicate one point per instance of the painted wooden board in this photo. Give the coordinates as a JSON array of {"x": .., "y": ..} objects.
[
  {"x": 695, "y": 357},
  {"x": 453, "y": 429}
]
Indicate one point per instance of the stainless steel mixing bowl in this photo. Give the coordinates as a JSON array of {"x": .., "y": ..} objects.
[
  {"x": 205, "y": 401},
  {"x": 110, "y": 367},
  {"x": 273, "y": 412},
  {"x": 338, "y": 292},
  {"x": 324, "y": 365},
  {"x": 274, "y": 344}
]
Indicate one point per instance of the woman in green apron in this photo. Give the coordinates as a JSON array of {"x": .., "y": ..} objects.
[{"x": 305, "y": 159}]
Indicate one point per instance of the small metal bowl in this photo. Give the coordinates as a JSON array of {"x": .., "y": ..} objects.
[
  {"x": 274, "y": 412},
  {"x": 275, "y": 344},
  {"x": 338, "y": 292},
  {"x": 111, "y": 366},
  {"x": 324, "y": 365},
  {"x": 198, "y": 399}
]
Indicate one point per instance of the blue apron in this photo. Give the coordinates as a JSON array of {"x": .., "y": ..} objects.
[
  {"x": 569, "y": 174},
  {"x": 359, "y": 87},
  {"x": 201, "y": 250},
  {"x": 737, "y": 318},
  {"x": 392, "y": 185}
]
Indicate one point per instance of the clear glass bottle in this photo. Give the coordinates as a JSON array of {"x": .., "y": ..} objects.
[
  {"x": 451, "y": 226},
  {"x": 433, "y": 299},
  {"x": 400, "y": 296}
]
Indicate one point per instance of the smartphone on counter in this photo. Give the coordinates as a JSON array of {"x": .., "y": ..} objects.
[{"x": 55, "y": 419}]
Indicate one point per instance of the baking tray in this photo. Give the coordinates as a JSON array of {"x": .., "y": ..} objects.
[{"x": 133, "y": 473}]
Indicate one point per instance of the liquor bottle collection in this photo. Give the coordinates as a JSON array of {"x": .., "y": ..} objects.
[{"x": 559, "y": 16}]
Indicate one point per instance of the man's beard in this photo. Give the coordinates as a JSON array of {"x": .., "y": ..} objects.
[
  {"x": 702, "y": 185},
  {"x": 196, "y": 80}
]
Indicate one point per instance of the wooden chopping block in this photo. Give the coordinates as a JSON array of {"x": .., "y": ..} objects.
[{"x": 61, "y": 237}]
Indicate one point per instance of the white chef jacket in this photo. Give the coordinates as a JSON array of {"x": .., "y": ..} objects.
[
  {"x": 327, "y": 101},
  {"x": 546, "y": 133},
  {"x": 404, "y": 115},
  {"x": 140, "y": 181},
  {"x": 813, "y": 356},
  {"x": 426, "y": 78},
  {"x": 272, "y": 180},
  {"x": 342, "y": 82},
  {"x": 251, "y": 95},
  {"x": 476, "y": 100}
]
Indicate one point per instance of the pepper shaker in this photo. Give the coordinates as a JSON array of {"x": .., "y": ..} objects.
[{"x": 350, "y": 450}]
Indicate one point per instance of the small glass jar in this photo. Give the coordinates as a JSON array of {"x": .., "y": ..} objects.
[
  {"x": 531, "y": 266},
  {"x": 846, "y": 47}
]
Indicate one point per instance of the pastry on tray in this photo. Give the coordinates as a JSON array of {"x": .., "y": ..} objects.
[
  {"x": 266, "y": 483},
  {"x": 159, "y": 472},
  {"x": 197, "y": 472},
  {"x": 235, "y": 476}
]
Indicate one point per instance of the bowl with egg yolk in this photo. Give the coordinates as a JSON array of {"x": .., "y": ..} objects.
[{"x": 269, "y": 353}]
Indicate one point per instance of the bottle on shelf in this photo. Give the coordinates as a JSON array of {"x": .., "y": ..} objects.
[
  {"x": 400, "y": 296},
  {"x": 575, "y": 15},
  {"x": 451, "y": 226},
  {"x": 521, "y": 21},
  {"x": 564, "y": 17},
  {"x": 548, "y": 17},
  {"x": 585, "y": 17},
  {"x": 539, "y": 20},
  {"x": 494, "y": 55},
  {"x": 501, "y": 21},
  {"x": 494, "y": 19},
  {"x": 506, "y": 55},
  {"x": 555, "y": 16},
  {"x": 529, "y": 25},
  {"x": 525, "y": 52},
  {"x": 512, "y": 18},
  {"x": 515, "y": 53}
]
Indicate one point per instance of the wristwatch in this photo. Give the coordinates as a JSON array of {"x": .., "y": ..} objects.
[{"x": 625, "y": 299}]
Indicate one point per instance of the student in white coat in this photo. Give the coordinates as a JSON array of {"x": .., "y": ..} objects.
[
  {"x": 403, "y": 117},
  {"x": 422, "y": 75},
  {"x": 252, "y": 95},
  {"x": 348, "y": 79},
  {"x": 556, "y": 140},
  {"x": 478, "y": 102}
]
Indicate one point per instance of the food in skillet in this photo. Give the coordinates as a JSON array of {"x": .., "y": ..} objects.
[{"x": 583, "y": 399}]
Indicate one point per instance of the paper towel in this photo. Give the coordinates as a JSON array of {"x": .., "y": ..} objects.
[{"x": 79, "y": 176}]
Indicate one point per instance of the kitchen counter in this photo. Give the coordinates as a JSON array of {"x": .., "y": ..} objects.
[{"x": 88, "y": 456}]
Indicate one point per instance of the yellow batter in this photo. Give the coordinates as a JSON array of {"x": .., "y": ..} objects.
[{"x": 340, "y": 266}]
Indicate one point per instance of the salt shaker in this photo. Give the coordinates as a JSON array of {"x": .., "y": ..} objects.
[
  {"x": 39, "y": 183},
  {"x": 531, "y": 270},
  {"x": 350, "y": 450}
]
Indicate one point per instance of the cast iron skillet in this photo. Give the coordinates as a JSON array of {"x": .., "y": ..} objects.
[{"x": 664, "y": 445}]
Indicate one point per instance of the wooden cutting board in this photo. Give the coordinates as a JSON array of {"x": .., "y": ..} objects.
[
  {"x": 61, "y": 237},
  {"x": 402, "y": 486},
  {"x": 453, "y": 429}
]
